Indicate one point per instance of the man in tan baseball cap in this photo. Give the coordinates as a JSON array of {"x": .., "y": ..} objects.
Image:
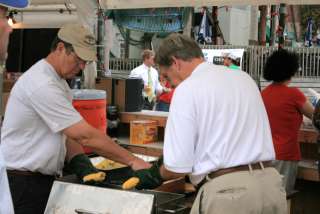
[
  {"x": 40, "y": 116},
  {"x": 71, "y": 50}
]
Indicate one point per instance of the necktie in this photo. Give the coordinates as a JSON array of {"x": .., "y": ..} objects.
[{"x": 150, "y": 93}]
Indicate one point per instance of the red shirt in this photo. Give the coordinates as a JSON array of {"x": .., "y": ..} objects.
[
  {"x": 166, "y": 96},
  {"x": 282, "y": 104}
]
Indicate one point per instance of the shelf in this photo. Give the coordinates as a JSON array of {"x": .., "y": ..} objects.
[
  {"x": 126, "y": 141},
  {"x": 308, "y": 170},
  {"x": 160, "y": 116},
  {"x": 307, "y": 136},
  {"x": 151, "y": 149}
]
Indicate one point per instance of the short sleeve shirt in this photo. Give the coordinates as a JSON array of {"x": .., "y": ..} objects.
[
  {"x": 283, "y": 106},
  {"x": 217, "y": 120},
  {"x": 38, "y": 109}
]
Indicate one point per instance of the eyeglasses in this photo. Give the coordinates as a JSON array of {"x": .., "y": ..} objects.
[{"x": 78, "y": 60}]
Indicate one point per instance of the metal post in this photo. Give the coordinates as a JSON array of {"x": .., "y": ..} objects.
[
  {"x": 100, "y": 38},
  {"x": 262, "y": 25},
  {"x": 127, "y": 44},
  {"x": 188, "y": 27},
  {"x": 282, "y": 23},
  {"x": 274, "y": 15},
  {"x": 215, "y": 25},
  {"x": 253, "y": 25},
  {"x": 293, "y": 20}
]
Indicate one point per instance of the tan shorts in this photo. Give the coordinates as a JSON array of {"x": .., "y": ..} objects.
[{"x": 259, "y": 191}]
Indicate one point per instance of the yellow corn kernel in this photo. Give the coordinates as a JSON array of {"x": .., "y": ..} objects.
[
  {"x": 131, "y": 183},
  {"x": 108, "y": 165},
  {"x": 99, "y": 176}
]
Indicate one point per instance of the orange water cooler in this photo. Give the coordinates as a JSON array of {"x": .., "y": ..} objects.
[{"x": 91, "y": 104}]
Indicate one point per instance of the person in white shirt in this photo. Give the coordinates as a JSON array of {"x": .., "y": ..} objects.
[
  {"x": 39, "y": 117},
  {"x": 218, "y": 133},
  {"x": 6, "y": 206},
  {"x": 150, "y": 77}
]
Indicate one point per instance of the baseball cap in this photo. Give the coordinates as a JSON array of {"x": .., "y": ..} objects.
[
  {"x": 229, "y": 55},
  {"x": 232, "y": 56},
  {"x": 81, "y": 39},
  {"x": 14, "y": 3},
  {"x": 225, "y": 55}
]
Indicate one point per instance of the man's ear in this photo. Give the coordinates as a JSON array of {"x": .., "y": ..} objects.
[
  {"x": 60, "y": 46},
  {"x": 177, "y": 63},
  {"x": 174, "y": 60}
]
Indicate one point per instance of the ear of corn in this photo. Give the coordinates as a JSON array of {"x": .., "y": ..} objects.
[
  {"x": 130, "y": 183},
  {"x": 99, "y": 176},
  {"x": 108, "y": 165}
]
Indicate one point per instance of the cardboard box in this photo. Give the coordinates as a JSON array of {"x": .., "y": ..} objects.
[{"x": 143, "y": 131}]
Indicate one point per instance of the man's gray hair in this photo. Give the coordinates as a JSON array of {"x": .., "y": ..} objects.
[{"x": 178, "y": 46}]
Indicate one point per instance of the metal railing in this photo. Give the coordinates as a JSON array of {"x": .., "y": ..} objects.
[
  {"x": 253, "y": 61},
  {"x": 255, "y": 57},
  {"x": 122, "y": 67}
]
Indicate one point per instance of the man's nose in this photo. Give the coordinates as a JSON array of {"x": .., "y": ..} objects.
[
  {"x": 5, "y": 26},
  {"x": 10, "y": 29},
  {"x": 82, "y": 65}
]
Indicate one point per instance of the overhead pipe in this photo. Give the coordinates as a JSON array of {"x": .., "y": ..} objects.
[
  {"x": 43, "y": 20},
  {"x": 48, "y": 2},
  {"x": 44, "y": 8}
]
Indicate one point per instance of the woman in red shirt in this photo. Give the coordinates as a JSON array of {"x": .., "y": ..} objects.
[
  {"x": 285, "y": 107},
  {"x": 165, "y": 97}
]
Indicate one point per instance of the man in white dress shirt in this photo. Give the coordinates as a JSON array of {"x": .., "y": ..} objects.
[
  {"x": 218, "y": 133},
  {"x": 150, "y": 78}
]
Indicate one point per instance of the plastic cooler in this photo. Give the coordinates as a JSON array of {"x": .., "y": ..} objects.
[{"x": 91, "y": 104}]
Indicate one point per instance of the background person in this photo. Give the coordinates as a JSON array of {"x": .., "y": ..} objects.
[
  {"x": 6, "y": 206},
  {"x": 150, "y": 78},
  {"x": 40, "y": 116},
  {"x": 164, "y": 99},
  {"x": 231, "y": 61},
  {"x": 218, "y": 133},
  {"x": 285, "y": 107}
]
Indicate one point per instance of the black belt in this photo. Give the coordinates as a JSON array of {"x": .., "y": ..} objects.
[{"x": 28, "y": 173}]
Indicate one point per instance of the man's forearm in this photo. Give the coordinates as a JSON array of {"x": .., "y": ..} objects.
[
  {"x": 73, "y": 148},
  {"x": 108, "y": 148},
  {"x": 168, "y": 175},
  {"x": 102, "y": 144}
]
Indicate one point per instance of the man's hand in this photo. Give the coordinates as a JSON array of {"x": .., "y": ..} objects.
[
  {"x": 147, "y": 89},
  {"x": 148, "y": 178},
  {"x": 137, "y": 164}
]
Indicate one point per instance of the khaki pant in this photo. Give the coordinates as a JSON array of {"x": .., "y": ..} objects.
[{"x": 244, "y": 192}]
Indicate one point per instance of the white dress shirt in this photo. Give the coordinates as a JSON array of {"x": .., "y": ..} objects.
[
  {"x": 142, "y": 72},
  {"x": 217, "y": 120}
]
